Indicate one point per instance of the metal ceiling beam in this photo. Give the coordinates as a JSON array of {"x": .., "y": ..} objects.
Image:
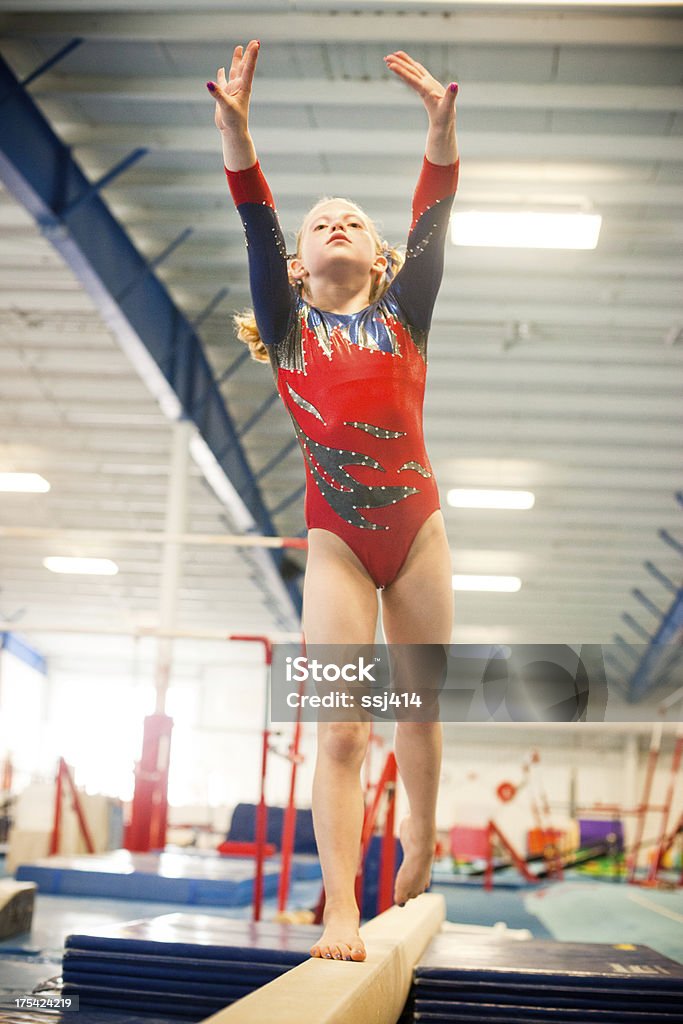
[
  {"x": 383, "y": 93},
  {"x": 40, "y": 171},
  {"x": 549, "y": 145},
  {"x": 160, "y": 187},
  {"x": 282, "y": 22}
]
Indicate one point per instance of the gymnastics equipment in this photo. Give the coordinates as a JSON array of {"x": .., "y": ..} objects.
[
  {"x": 384, "y": 790},
  {"x": 666, "y": 838},
  {"x": 338, "y": 992},
  {"x": 147, "y": 828},
  {"x": 262, "y": 809},
  {"x": 64, "y": 777},
  {"x": 289, "y": 820},
  {"x": 149, "y": 812}
]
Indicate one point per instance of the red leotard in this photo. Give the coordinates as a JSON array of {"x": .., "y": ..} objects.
[{"x": 354, "y": 384}]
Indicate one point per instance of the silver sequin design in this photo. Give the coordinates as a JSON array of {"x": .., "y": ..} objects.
[
  {"x": 371, "y": 329},
  {"x": 417, "y": 468},
  {"x": 369, "y": 428},
  {"x": 350, "y": 495},
  {"x": 303, "y": 404}
]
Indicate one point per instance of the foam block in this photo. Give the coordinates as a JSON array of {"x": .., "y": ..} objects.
[
  {"x": 538, "y": 961},
  {"x": 16, "y": 907},
  {"x": 204, "y": 937}
]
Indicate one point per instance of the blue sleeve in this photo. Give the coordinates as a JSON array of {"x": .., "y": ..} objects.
[
  {"x": 272, "y": 295},
  {"x": 417, "y": 283}
]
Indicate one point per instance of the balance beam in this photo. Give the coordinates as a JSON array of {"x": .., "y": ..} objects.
[{"x": 342, "y": 991}]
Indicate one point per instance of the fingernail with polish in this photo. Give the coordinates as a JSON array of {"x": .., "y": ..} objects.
[
  {"x": 454, "y": 87},
  {"x": 210, "y": 86}
]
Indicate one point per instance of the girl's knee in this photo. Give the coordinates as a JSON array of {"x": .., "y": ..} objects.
[{"x": 344, "y": 741}]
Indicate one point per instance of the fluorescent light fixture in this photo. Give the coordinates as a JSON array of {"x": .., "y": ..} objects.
[
  {"x": 473, "y": 498},
  {"x": 526, "y": 230},
  {"x": 28, "y": 483},
  {"x": 495, "y": 584},
  {"x": 81, "y": 566}
]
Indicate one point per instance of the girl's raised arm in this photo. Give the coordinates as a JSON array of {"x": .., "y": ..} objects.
[
  {"x": 439, "y": 102},
  {"x": 271, "y": 293},
  {"x": 417, "y": 284},
  {"x": 232, "y": 95}
]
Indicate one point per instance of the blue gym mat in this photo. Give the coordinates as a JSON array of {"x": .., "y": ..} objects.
[
  {"x": 180, "y": 963},
  {"x": 210, "y": 938},
  {"x": 478, "y": 978},
  {"x": 77, "y": 963},
  {"x": 542, "y": 995},
  {"x": 466, "y": 1011},
  {"x": 169, "y": 877}
]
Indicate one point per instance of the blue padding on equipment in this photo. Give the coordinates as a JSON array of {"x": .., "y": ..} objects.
[
  {"x": 166, "y": 877},
  {"x": 202, "y": 937},
  {"x": 466, "y": 1011},
  {"x": 603, "y": 966},
  {"x": 180, "y": 963},
  {"x": 243, "y": 827}
]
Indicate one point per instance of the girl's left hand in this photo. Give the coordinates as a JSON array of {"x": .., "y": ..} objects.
[{"x": 439, "y": 101}]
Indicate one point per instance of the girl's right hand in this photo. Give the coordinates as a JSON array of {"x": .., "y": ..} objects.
[{"x": 232, "y": 94}]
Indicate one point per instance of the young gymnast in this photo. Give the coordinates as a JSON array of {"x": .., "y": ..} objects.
[{"x": 345, "y": 327}]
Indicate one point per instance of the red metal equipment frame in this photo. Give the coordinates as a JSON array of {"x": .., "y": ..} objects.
[
  {"x": 64, "y": 776},
  {"x": 385, "y": 788}
]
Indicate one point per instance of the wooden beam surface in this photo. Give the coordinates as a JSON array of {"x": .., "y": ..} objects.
[{"x": 345, "y": 992}]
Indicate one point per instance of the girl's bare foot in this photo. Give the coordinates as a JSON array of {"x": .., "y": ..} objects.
[
  {"x": 341, "y": 939},
  {"x": 415, "y": 872}
]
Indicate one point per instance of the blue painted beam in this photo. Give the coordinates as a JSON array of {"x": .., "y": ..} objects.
[
  {"x": 662, "y": 641},
  {"x": 13, "y": 644},
  {"x": 38, "y": 168}
]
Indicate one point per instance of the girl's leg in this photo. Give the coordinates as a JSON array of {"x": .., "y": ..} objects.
[
  {"x": 340, "y": 607},
  {"x": 417, "y": 608}
]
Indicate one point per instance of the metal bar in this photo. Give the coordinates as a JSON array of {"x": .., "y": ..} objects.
[
  {"x": 98, "y": 185},
  {"x": 171, "y": 558},
  {"x": 667, "y": 663},
  {"x": 627, "y": 646},
  {"x": 51, "y": 61},
  {"x": 636, "y": 627},
  {"x": 661, "y": 577},
  {"x": 39, "y": 170},
  {"x": 140, "y": 632},
  {"x": 256, "y": 416},
  {"x": 78, "y": 808},
  {"x": 288, "y": 501},
  {"x": 282, "y": 454},
  {"x": 646, "y": 602},
  {"x": 245, "y": 540},
  {"x": 209, "y": 308},
  {"x": 234, "y": 366},
  {"x": 671, "y": 541},
  {"x": 139, "y": 280},
  {"x": 666, "y": 634}
]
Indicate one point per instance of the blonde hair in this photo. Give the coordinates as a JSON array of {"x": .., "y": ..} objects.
[{"x": 245, "y": 322}]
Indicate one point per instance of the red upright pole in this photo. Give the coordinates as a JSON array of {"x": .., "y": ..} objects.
[
  {"x": 147, "y": 828},
  {"x": 387, "y": 863},
  {"x": 660, "y": 849},
  {"x": 57, "y": 823},
  {"x": 653, "y": 757}
]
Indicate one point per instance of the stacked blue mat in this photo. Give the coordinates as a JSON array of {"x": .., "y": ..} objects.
[
  {"x": 476, "y": 979},
  {"x": 180, "y": 965}
]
